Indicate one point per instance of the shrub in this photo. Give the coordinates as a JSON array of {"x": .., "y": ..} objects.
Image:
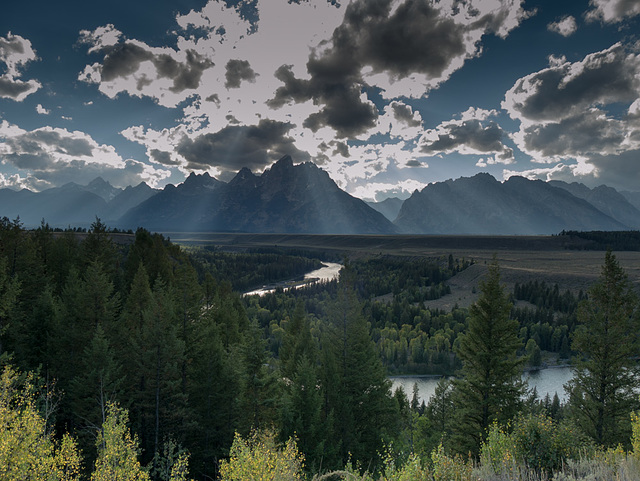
[
  {"x": 447, "y": 468},
  {"x": 260, "y": 459}
]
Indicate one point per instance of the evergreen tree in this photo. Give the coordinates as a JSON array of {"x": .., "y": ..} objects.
[
  {"x": 361, "y": 399},
  {"x": 440, "y": 412},
  {"x": 214, "y": 389},
  {"x": 158, "y": 356},
  {"x": 606, "y": 376},
  {"x": 98, "y": 383},
  {"x": 489, "y": 387},
  {"x": 9, "y": 289}
]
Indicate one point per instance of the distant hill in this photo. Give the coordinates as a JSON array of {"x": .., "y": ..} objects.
[
  {"x": 285, "y": 198},
  {"x": 482, "y": 205},
  {"x": 390, "y": 207}
]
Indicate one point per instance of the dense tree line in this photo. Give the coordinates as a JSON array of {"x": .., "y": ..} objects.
[
  {"x": 603, "y": 240},
  {"x": 142, "y": 352},
  {"x": 251, "y": 270}
]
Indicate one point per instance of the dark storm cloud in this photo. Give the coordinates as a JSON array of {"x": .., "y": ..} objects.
[
  {"x": 575, "y": 136},
  {"x": 343, "y": 110},
  {"x": 378, "y": 36},
  {"x": 234, "y": 147},
  {"x": 237, "y": 71},
  {"x": 414, "y": 38},
  {"x": 341, "y": 148},
  {"x": 162, "y": 157},
  {"x": 185, "y": 75},
  {"x": 36, "y": 150},
  {"x": 403, "y": 113},
  {"x": 569, "y": 89},
  {"x": 124, "y": 59},
  {"x": 14, "y": 89},
  {"x": 467, "y": 135}
]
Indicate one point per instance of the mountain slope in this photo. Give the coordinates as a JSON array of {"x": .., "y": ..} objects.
[
  {"x": 126, "y": 200},
  {"x": 482, "y": 205},
  {"x": 286, "y": 198},
  {"x": 59, "y": 206},
  {"x": 390, "y": 207},
  {"x": 606, "y": 199}
]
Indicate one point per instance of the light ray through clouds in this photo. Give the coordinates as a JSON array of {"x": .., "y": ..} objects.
[{"x": 359, "y": 87}]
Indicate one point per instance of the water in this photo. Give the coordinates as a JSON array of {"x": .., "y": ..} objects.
[
  {"x": 550, "y": 380},
  {"x": 327, "y": 272}
]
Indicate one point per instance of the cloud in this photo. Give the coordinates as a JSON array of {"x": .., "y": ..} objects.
[
  {"x": 566, "y": 26},
  {"x": 234, "y": 147},
  {"x": 564, "y": 109},
  {"x": 100, "y": 38},
  {"x": 15, "y": 53},
  {"x": 612, "y": 11},
  {"x": 378, "y": 191},
  {"x": 567, "y": 89},
  {"x": 582, "y": 116},
  {"x": 54, "y": 156},
  {"x": 237, "y": 71},
  {"x": 473, "y": 134},
  {"x": 167, "y": 75},
  {"x": 41, "y": 110},
  {"x": 404, "y": 48}
]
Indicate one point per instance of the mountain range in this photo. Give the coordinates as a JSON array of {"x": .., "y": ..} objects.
[{"x": 302, "y": 198}]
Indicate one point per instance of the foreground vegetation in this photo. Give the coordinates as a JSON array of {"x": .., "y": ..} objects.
[{"x": 140, "y": 361}]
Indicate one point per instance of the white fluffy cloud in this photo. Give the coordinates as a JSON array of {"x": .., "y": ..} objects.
[
  {"x": 566, "y": 26},
  {"x": 612, "y": 11},
  {"x": 15, "y": 53},
  {"x": 582, "y": 116},
  {"x": 41, "y": 110},
  {"x": 303, "y": 65},
  {"x": 53, "y": 156}
]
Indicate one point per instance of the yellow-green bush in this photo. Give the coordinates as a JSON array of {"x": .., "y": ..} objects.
[
  {"x": 27, "y": 450},
  {"x": 447, "y": 468},
  {"x": 259, "y": 458}
]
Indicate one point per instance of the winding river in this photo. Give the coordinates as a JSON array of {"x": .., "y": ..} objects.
[{"x": 327, "y": 272}]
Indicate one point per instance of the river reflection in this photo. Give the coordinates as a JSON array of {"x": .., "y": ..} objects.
[
  {"x": 328, "y": 272},
  {"x": 550, "y": 380}
]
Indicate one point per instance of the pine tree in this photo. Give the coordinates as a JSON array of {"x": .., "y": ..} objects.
[
  {"x": 361, "y": 400},
  {"x": 158, "y": 356},
  {"x": 489, "y": 386},
  {"x": 606, "y": 376}
]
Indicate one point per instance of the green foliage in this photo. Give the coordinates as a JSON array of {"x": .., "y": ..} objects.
[
  {"x": 606, "y": 378},
  {"x": 489, "y": 388},
  {"x": 535, "y": 442},
  {"x": 259, "y": 458}
]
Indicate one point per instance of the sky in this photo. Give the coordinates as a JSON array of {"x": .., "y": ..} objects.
[{"x": 387, "y": 96}]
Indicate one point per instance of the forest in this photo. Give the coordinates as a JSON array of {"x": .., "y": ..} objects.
[{"x": 141, "y": 359}]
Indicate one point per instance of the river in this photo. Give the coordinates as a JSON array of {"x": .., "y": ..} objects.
[
  {"x": 327, "y": 272},
  {"x": 550, "y": 380}
]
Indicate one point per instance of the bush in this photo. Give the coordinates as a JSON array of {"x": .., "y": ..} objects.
[{"x": 260, "y": 459}]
